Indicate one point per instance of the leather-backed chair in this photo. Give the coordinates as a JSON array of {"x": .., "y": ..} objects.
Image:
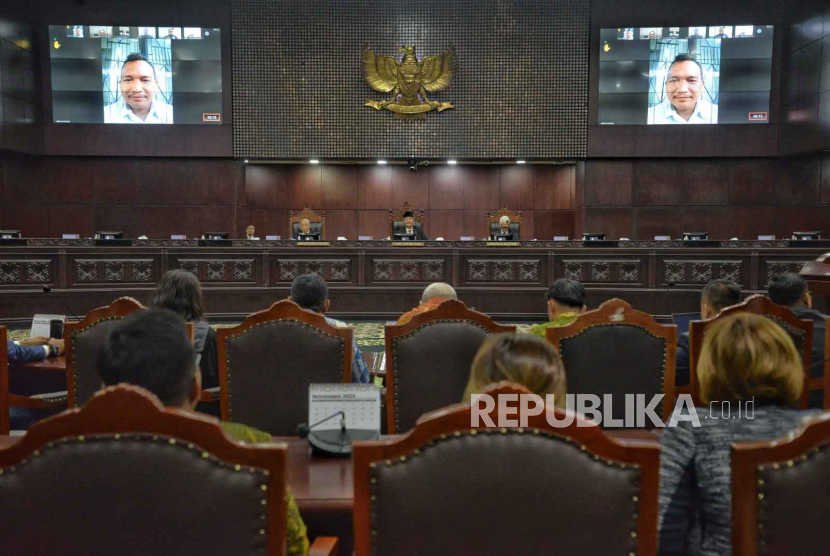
[
  {"x": 428, "y": 360},
  {"x": 125, "y": 475},
  {"x": 316, "y": 218},
  {"x": 778, "y": 492},
  {"x": 515, "y": 216},
  {"x": 800, "y": 331},
  {"x": 82, "y": 341},
  {"x": 617, "y": 350},
  {"x": 447, "y": 487},
  {"x": 267, "y": 362},
  {"x": 396, "y": 225}
]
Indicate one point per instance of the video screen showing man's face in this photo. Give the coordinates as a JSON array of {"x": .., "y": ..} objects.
[
  {"x": 684, "y": 85},
  {"x": 138, "y": 85}
]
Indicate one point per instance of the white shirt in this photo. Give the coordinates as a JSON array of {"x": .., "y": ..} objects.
[
  {"x": 120, "y": 113},
  {"x": 664, "y": 113}
]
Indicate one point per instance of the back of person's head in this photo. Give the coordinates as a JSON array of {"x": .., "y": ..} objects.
[
  {"x": 523, "y": 359},
  {"x": 150, "y": 348},
  {"x": 787, "y": 289},
  {"x": 746, "y": 357},
  {"x": 181, "y": 292},
  {"x": 570, "y": 293},
  {"x": 439, "y": 289},
  {"x": 720, "y": 294},
  {"x": 310, "y": 291}
]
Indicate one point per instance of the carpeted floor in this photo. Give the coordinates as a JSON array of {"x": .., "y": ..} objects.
[{"x": 369, "y": 335}]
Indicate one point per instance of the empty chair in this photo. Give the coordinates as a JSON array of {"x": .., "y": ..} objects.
[
  {"x": 82, "y": 341},
  {"x": 800, "y": 331},
  {"x": 267, "y": 362},
  {"x": 617, "y": 350},
  {"x": 449, "y": 488},
  {"x": 778, "y": 489},
  {"x": 428, "y": 360},
  {"x": 190, "y": 489}
]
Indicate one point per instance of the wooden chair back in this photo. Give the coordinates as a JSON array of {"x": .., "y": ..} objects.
[
  {"x": 123, "y": 466},
  {"x": 317, "y": 218},
  {"x": 801, "y": 332},
  {"x": 396, "y": 217},
  {"x": 775, "y": 492},
  {"x": 515, "y": 217},
  {"x": 617, "y": 350},
  {"x": 574, "y": 474},
  {"x": 4, "y": 383},
  {"x": 82, "y": 339},
  {"x": 428, "y": 360},
  {"x": 267, "y": 362}
]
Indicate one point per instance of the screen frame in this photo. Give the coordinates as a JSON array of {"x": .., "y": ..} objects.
[{"x": 196, "y": 140}]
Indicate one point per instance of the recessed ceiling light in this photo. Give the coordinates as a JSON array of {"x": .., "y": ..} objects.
[
  {"x": 520, "y": 162},
  {"x": 452, "y": 161},
  {"x": 314, "y": 161},
  {"x": 381, "y": 162},
  {"x": 246, "y": 161}
]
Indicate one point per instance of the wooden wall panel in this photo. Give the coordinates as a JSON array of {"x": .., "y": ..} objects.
[{"x": 374, "y": 187}]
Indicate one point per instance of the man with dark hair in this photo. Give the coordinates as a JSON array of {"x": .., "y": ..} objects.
[
  {"x": 790, "y": 290},
  {"x": 683, "y": 103},
  {"x": 150, "y": 349},
  {"x": 716, "y": 296},
  {"x": 311, "y": 292},
  {"x": 138, "y": 104},
  {"x": 565, "y": 302}
]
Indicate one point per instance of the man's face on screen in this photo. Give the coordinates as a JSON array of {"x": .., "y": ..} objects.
[
  {"x": 138, "y": 85},
  {"x": 684, "y": 85}
]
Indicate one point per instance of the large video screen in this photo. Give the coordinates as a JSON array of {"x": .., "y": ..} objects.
[
  {"x": 705, "y": 74},
  {"x": 136, "y": 75}
]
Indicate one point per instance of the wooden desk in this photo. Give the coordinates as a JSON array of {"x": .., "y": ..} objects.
[{"x": 49, "y": 364}]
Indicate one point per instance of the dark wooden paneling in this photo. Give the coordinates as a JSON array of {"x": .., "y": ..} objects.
[
  {"x": 114, "y": 181},
  {"x": 409, "y": 186},
  {"x": 628, "y": 141},
  {"x": 373, "y": 223},
  {"x": 614, "y": 222},
  {"x": 171, "y": 178},
  {"x": 70, "y": 219},
  {"x": 656, "y": 183},
  {"x": 339, "y": 187},
  {"x": 208, "y": 219},
  {"x": 809, "y": 71},
  {"x": 656, "y": 221},
  {"x": 608, "y": 183},
  {"x": 528, "y": 228},
  {"x": 704, "y": 183},
  {"x": 446, "y": 187},
  {"x": 31, "y": 219},
  {"x": 825, "y": 180},
  {"x": 800, "y": 183},
  {"x": 266, "y": 222},
  {"x": 714, "y": 220},
  {"x": 304, "y": 186},
  {"x": 448, "y": 224},
  {"x": 265, "y": 187},
  {"x": 475, "y": 224},
  {"x": 211, "y": 182},
  {"x": 481, "y": 188},
  {"x": 549, "y": 223},
  {"x": 23, "y": 180},
  {"x": 750, "y": 222},
  {"x": 555, "y": 187},
  {"x": 164, "y": 141},
  {"x": 752, "y": 182},
  {"x": 341, "y": 223},
  {"x": 517, "y": 186},
  {"x": 374, "y": 187}
]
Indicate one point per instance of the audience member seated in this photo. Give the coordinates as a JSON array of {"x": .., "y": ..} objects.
[
  {"x": 566, "y": 301},
  {"x": 37, "y": 348},
  {"x": 181, "y": 292},
  {"x": 150, "y": 349},
  {"x": 790, "y": 290},
  {"x": 716, "y": 296},
  {"x": 521, "y": 359},
  {"x": 311, "y": 292},
  {"x": 745, "y": 358},
  {"x": 433, "y": 296}
]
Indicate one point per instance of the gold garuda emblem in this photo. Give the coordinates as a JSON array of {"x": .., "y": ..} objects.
[{"x": 409, "y": 81}]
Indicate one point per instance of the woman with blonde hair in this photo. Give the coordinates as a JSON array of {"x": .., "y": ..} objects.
[
  {"x": 522, "y": 359},
  {"x": 750, "y": 378}
]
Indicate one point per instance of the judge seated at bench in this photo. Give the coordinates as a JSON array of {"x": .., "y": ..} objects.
[
  {"x": 250, "y": 232},
  {"x": 505, "y": 231},
  {"x": 306, "y": 230},
  {"x": 409, "y": 228}
]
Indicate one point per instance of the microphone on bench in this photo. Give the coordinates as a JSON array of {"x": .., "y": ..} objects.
[{"x": 304, "y": 429}]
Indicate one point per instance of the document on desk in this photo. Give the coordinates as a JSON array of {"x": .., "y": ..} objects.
[
  {"x": 360, "y": 403},
  {"x": 41, "y": 324}
]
